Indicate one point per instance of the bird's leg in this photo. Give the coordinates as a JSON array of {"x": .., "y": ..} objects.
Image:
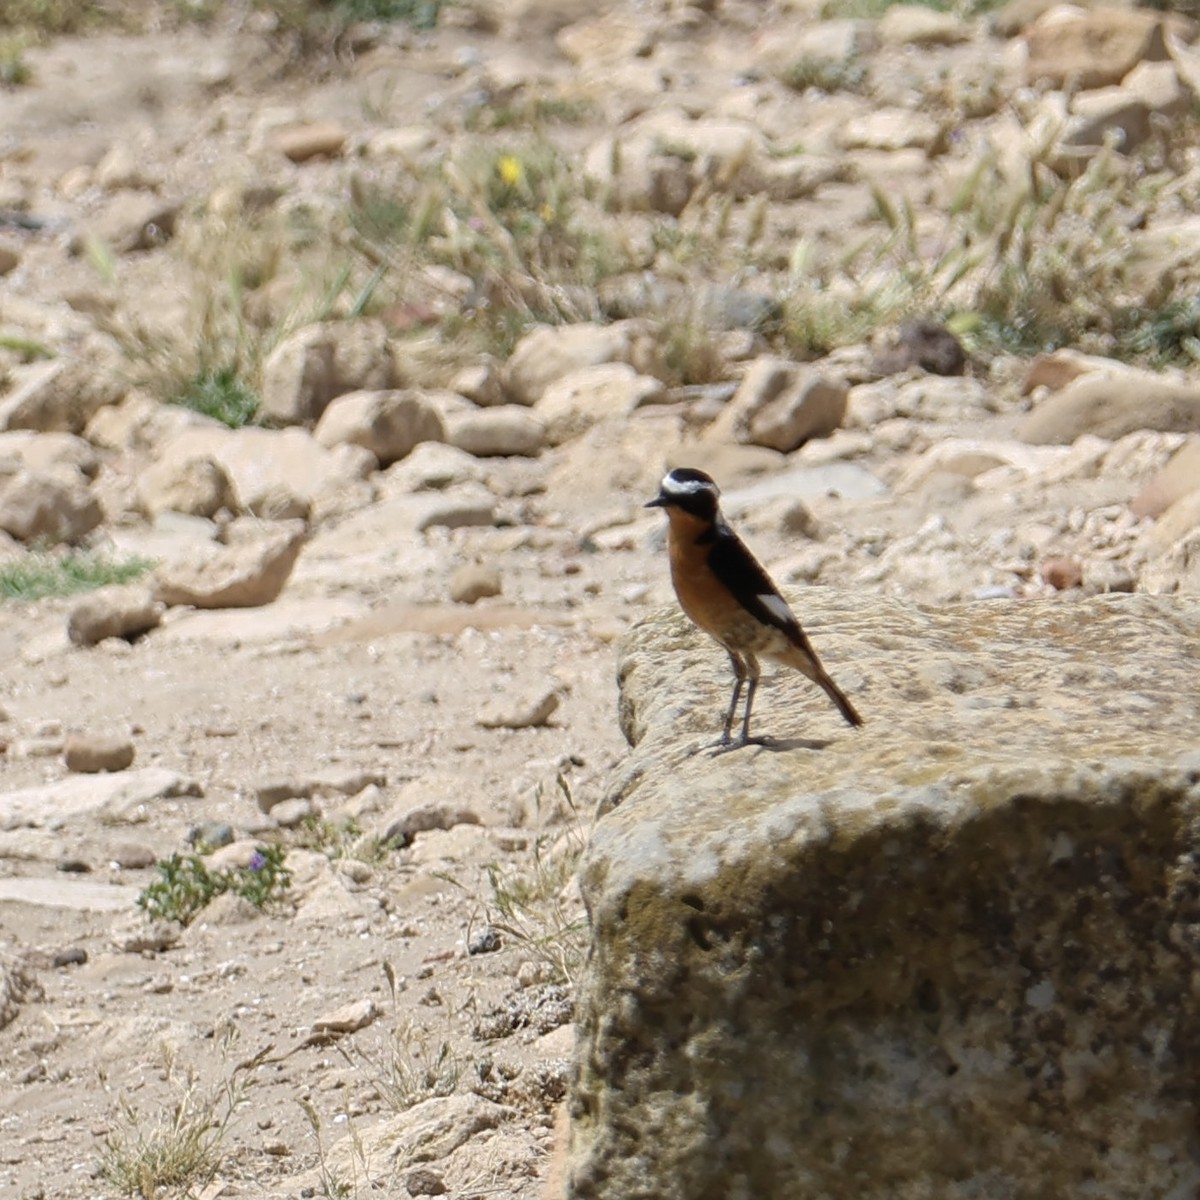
[
  {"x": 739, "y": 672},
  {"x": 750, "y": 690}
]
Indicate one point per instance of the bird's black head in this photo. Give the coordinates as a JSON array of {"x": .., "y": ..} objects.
[{"x": 690, "y": 490}]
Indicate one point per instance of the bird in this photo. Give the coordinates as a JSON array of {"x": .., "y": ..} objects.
[{"x": 725, "y": 591}]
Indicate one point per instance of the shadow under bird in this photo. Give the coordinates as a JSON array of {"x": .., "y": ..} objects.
[{"x": 723, "y": 588}]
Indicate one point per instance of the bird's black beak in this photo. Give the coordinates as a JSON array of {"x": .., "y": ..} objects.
[{"x": 659, "y": 501}]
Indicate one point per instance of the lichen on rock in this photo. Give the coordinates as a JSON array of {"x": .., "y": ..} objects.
[{"x": 952, "y": 955}]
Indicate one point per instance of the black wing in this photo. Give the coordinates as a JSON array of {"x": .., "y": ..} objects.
[{"x": 733, "y": 564}]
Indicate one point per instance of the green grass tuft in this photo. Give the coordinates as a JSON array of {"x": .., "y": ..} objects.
[
  {"x": 222, "y": 395},
  {"x": 38, "y": 573},
  {"x": 185, "y": 886}
]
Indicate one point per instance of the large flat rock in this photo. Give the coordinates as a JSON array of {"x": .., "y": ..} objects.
[{"x": 953, "y": 954}]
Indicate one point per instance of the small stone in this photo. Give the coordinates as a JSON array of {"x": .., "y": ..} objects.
[
  {"x": 1062, "y": 573},
  {"x": 920, "y": 343},
  {"x": 1106, "y": 576},
  {"x": 520, "y": 714},
  {"x": 275, "y": 791},
  {"x": 350, "y": 1018},
  {"x": 486, "y": 941},
  {"x": 121, "y": 611},
  {"x": 473, "y": 582},
  {"x": 130, "y": 856},
  {"x": 503, "y": 431},
  {"x": 210, "y": 835},
  {"x": 457, "y": 512},
  {"x": 243, "y": 574},
  {"x": 320, "y": 139},
  {"x": 400, "y": 830},
  {"x": 90, "y": 753},
  {"x": 75, "y": 956},
  {"x": 531, "y": 974},
  {"x": 424, "y": 1182},
  {"x": 287, "y": 814}
]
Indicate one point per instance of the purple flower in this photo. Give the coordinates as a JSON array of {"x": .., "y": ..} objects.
[{"x": 258, "y": 860}]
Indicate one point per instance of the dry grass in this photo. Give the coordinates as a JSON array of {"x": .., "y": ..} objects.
[{"x": 178, "y": 1147}]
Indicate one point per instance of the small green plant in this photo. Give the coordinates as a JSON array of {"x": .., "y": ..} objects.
[
  {"x": 340, "y": 839},
  {"x": 179, "y": 1146},
  {"x": 186, "y": 885},
  {"x": 222, "y": 395},
  {"x": 420, "y": 14},
  {"x": 829, "y": 75},
  {"x": 28, "y": 348},
  {"x": 14, "y": 70},
  {"x": 47, "y": 17},
  {"x": 38, "y": 573}
]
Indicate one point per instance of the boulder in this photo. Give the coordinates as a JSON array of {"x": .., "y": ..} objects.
[
  {"x": 248, "y": 572},
  {"x": 307, "y": 370},
  {"x": 276, "y": 473},
  {"x": 1179, "y": 478},
  {"x": 575, "y": 402},
  {"x": 1110, "y": 406},
  {"x": 1092, "y": 48},
  {"x": 65, "y": 393},
  {"x": 122, "y": 610},
  {"x": 781, "y": 404},
  {"x": 507, "y": 429},
  {"x": 550, "y": 352},
  {"x": 949, "y": 954},
  {"x": 389, "y": 424},
  {"x": 37, "y": 506},
  {"x": 197, "y": 486}
]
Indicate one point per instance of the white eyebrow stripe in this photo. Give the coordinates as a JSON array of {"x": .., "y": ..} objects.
[
  {"x": 777, "y": 607},
  {"x": 685, "y": 487}
]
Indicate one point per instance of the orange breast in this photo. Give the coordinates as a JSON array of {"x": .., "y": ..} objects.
[{"x": 700, "y": 595}]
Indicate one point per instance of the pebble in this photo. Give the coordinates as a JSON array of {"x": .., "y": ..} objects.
[
  {"x": 275, "y": 791},
  {"x": 287, "y": 814},
  {"x": 131, "y": 856},
  {"x": 302, "y": 142},
  {"x": 517, "y": 713},
  {"x": 1062, "y": 573},
  {"x": 473, "y": 582},
  {"x": 486, "y": 941},
  {"x": 350, "y": 1018},
  {"x": 210, "y": 835},
  {"x": 424, "y": 1182},
  {"x": 401, "y": 830},
  {"x": 91, "y": 753}
]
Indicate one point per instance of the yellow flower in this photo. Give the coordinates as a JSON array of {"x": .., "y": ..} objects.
[{"x": 510, "y": 170}]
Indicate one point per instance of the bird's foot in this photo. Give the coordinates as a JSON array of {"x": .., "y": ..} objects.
[{"x": 725, "y": 745}]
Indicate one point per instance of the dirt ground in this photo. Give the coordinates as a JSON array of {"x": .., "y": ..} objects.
[{"x": 346, "y": 1041}]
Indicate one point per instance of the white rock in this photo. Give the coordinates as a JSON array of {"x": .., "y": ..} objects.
[
  {"x": 246, "y": 574},
  {"x": 550, "y": 352},
  {"x": 576, "y": 401},
  {"x": 35, "y": 506},
  {"x": 508, "y": 429},
  {"x": 389, "y": 424},
  {"x": 197, "y": 486}
]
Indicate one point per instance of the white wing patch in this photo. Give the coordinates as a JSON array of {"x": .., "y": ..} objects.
[{"x": 777, "y": 607}]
